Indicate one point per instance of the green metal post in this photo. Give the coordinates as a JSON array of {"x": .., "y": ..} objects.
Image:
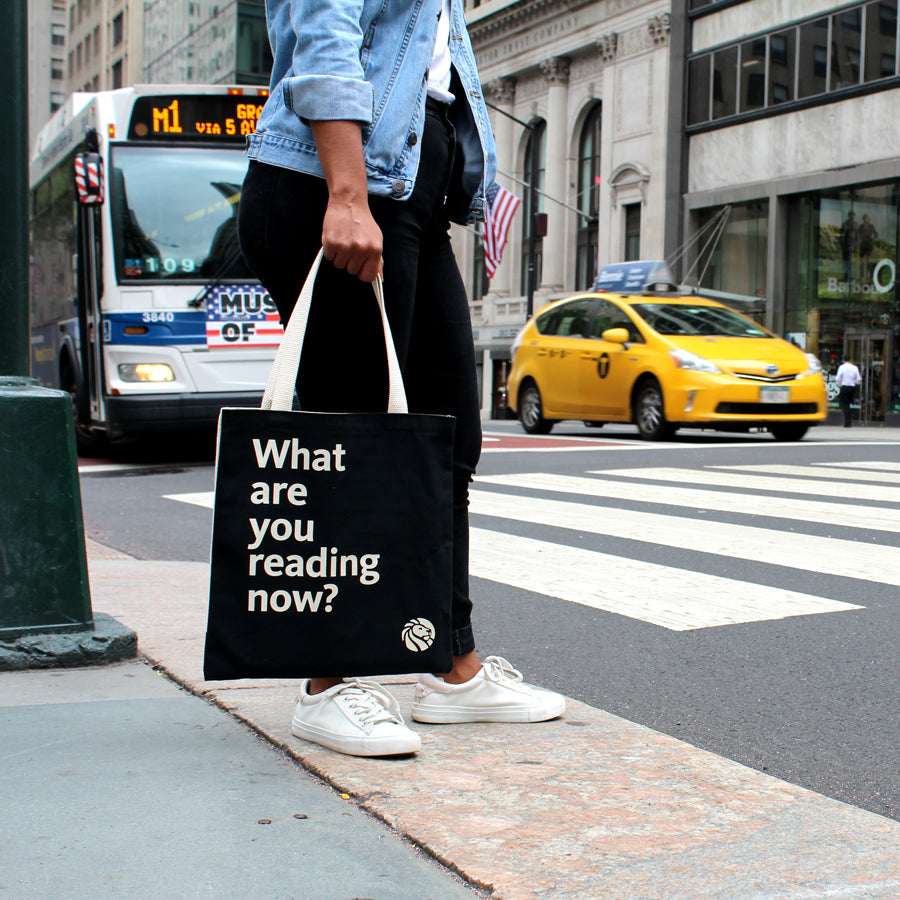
[{"x": 43, "y": 569}]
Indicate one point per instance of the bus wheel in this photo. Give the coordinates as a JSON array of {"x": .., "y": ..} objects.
[
  {"x": 87, "y": 441},
  {"x": 531, "y": 411}
]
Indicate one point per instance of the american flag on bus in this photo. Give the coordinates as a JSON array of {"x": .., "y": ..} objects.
[{"x": 501, "y": 206}]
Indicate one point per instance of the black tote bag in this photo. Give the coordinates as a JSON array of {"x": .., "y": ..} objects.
[{"x": 332, "y": 533}]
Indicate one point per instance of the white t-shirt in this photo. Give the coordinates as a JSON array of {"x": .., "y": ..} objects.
[{"x": 439, "y": 70}]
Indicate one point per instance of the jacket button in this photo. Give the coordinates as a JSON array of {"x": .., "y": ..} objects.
[
  {"x": 412, "y": 140},
  {"x": 398, "y": 187}
]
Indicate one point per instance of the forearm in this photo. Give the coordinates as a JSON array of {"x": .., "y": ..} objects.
[{"x": 350, "y": 236}]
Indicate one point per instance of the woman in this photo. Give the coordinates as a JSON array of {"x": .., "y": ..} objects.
[{"x": 374, "y": 137}]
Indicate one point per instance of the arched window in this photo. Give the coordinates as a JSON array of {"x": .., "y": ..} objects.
[
  {"x": 533, "y": 202},
  {"x": 588, "y": 200}
]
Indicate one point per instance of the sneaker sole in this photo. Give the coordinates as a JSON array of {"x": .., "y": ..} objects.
[
  {"x": 460, "y": 715},
  {"x": 398, "y": 745}
]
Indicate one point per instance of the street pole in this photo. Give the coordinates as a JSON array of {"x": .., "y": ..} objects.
[{"x": 45, "y": 604}]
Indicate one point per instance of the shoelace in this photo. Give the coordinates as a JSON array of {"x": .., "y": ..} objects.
[
  {"x": 496, "y": 668},
  {"x": 370, "y": 703}
]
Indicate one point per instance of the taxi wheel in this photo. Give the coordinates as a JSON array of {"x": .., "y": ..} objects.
[
  {"x": 649, "y": 413},
  {"x": 531, "y": 411},
  {"x": 788, "y": 431}
]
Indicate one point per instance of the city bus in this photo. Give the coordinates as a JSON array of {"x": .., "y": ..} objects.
[{"x": 141, "y": 304}]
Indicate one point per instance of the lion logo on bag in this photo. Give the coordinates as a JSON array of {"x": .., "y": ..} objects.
[{"x": 418, "y": 634}]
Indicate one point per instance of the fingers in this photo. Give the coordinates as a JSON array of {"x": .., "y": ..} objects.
[{"x": 352, "y": 240}]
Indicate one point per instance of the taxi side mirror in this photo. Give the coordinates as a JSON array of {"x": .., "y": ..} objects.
[{"x": 617, "y": 336}]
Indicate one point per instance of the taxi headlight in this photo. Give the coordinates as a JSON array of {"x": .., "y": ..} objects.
[
  {"x": 684, "y": 359},
  {"x": 146, "y": 372},
  {"x": 814, "y": 365}
]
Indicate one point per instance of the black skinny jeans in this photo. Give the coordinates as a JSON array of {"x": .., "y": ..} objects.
[{"x": 342, "y": 367}]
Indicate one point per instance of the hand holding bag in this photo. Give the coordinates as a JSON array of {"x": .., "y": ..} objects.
[{"x": 332, "y": 532}]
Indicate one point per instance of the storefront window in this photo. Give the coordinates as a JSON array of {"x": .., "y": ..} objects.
[
  {"x": 735, "y": 262},
  {"x": 840, "y": 293}
]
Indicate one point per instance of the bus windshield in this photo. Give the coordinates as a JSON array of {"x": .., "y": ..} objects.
[{"x": 174, "y": 213}]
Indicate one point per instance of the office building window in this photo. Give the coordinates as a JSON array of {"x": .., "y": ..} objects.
[
  {"x": 116, "y": 71},
  {"x": 588, "y": 200},
  {"x": 118, "y": 29},
  {"x": 806, "y": 61},
  {"x": 57, "y": 72},
  {"x": 533, "y": 202},
  {"x": 58, "y": 35},
  {"x": 632, "y": 231}
]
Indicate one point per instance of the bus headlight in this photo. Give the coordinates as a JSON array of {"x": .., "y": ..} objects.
[{"x": 146, "y": 372}]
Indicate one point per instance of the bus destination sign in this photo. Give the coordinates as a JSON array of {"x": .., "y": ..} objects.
[{"x": 194, "y": 117}]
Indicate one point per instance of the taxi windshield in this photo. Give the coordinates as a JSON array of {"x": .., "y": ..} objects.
[
  {"x": 687, "y": 319},
  {"x": 174, "y": 212}
]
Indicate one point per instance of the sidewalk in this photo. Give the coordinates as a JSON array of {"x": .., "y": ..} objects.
[{"x": 590, "y": 806}]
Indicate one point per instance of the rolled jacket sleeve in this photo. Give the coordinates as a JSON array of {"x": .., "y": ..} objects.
[{"x": 328, "y": 81}]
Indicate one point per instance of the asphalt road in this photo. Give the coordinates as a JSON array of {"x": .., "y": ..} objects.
[{"x": 737, "y": 593}]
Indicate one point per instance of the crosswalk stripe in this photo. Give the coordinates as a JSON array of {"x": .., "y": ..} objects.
[
  {"x": 870, "y": 464},
  {"x": 817, "y": 473},
  {"x": 671, "y": 598},
  {"x": 200, "y": 498},
  {"x": 763, "y": 483},
  {"x": 612, "y": 486},
  {"x": 870, "y": 562}
]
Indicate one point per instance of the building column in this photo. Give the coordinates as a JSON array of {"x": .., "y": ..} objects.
[
  {"x": 556, "y": 71},
  {"x": 502, "y": 93}
]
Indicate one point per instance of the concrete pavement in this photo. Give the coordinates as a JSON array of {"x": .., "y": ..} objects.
[{"x": 590, "y": 806}]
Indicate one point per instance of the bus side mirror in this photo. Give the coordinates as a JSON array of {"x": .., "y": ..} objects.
[{"x": 89, "y": 178}]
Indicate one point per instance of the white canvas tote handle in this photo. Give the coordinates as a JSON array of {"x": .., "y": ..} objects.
[{"x": 283, "y": 376}]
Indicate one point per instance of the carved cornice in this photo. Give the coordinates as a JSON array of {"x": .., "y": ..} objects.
[
  {"x": 520, "y": 15},
  {"x": 556, "y": 70},
  {"x": 502, "y": 91},
  {"x": 606, "y": 46},
  {"x": 659, "y": 27}
]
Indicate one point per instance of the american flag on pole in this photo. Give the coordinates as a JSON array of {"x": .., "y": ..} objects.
[{"x": 501, "y": 206}]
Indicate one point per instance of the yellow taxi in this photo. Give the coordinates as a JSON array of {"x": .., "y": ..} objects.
[{"x": 651, "y": 356}]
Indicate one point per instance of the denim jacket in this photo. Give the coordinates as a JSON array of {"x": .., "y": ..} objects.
[{"x": 367, "y": 61}]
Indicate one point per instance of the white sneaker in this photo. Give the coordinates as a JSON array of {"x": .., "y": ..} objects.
[
  {"x": 359, "y": 718},
  {"x": 496, "y": 694}
]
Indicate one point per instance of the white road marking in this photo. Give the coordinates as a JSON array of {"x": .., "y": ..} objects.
[
  {"x": 876, "y": 518},
  {"x": 818, "y": 471},
  {"x": 871, "y": 464},
  {"x": 671, "y": 598},
  {"x": 201, "y": 498},
  {"x": 764, "y": 483},
  {"x": 830, "y": 556}
]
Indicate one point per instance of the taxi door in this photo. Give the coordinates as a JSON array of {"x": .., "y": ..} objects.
[
  {"x": 608, "y": 369},
  {"x": 559, "y": 356}
]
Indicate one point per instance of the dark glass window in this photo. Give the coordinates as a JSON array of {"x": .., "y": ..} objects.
[
  {"x": 588, "y": 200},
  {"x": 698, "y": 89},
  {"x": 118, "y": 29},
  {"x": 632, "y": 231},
  {"x": 846, "y": 42},
  {"x": 812, "y": 58},
  {"x": 753, "y": 74},
  {"x": 781, "y": 66},
  {"x": 254, "y": 55},
  {"x": 725, "y": 82},
  {"x": 881, "y": 41}
]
